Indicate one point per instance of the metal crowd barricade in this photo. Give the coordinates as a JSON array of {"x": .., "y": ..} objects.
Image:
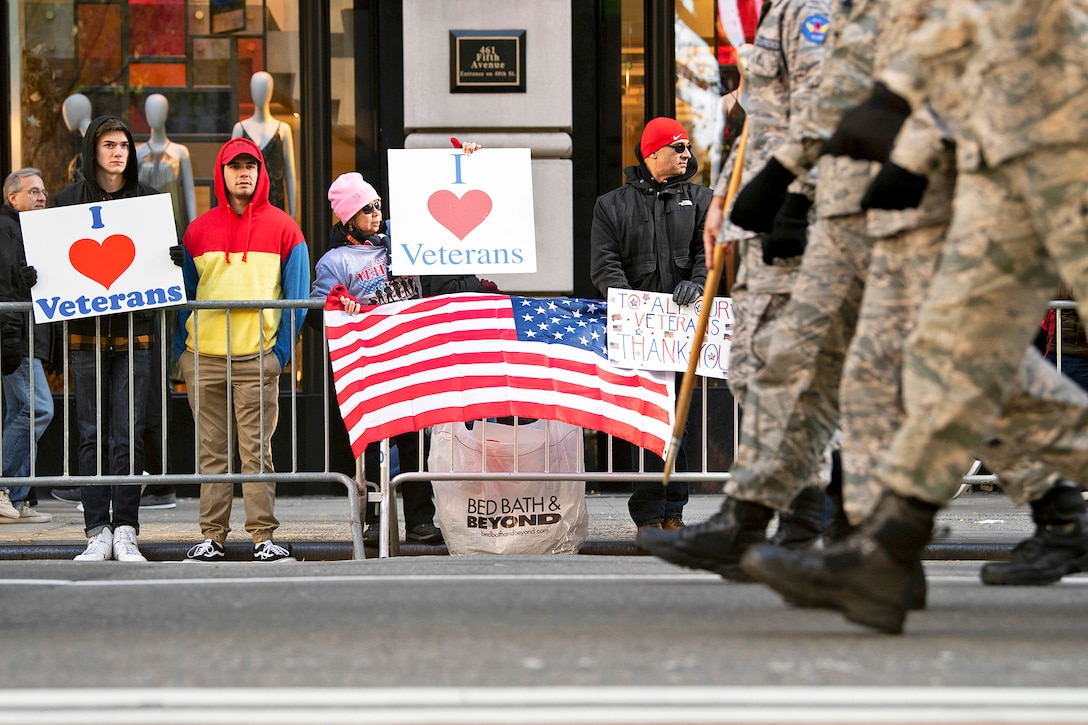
[
  {"x": 165, "y": 334},
  {"x": 704, "y": 474},
  {"x": 382, "y": 491}
]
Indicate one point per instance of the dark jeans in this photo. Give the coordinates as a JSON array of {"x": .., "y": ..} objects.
[
  {"x": 1075, "y": 367},
  {"x": 651, "y": 502},
  {"x": 112, "y": 442},
  {"x": 417, "y": 497}
]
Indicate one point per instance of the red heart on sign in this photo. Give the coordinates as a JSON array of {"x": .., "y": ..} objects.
[
  {"x": 103, "y": 262},
  {"x": 462, "y": 215}
]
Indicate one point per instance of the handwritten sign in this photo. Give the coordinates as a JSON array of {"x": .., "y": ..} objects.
[
  {"x": 102, "y": 258},
  {"x": 647, "y": 330},
  {"x": 458, "y": 214}
]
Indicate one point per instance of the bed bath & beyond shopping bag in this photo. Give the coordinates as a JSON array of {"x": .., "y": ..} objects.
[{"x": 510, "y": 516}]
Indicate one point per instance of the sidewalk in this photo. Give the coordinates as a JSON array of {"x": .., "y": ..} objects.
[{"x": 976, "y": 526}]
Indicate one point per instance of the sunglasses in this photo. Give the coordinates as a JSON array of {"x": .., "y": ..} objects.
[
  {"x": 681, "y": 147},
  {"x": 372, "y": 207}
]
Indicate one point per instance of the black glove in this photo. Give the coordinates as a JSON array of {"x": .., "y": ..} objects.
[
  {"x": 757, "y": 203},
  {"x": 686, "y": 292},
  {"x": 29, "y": 275},
  {"x": 868, "y": 130},
  {"x": 177, "y": 255},
  {"x": 790, "y": 233},
  {"x": 489, "y": 286},
  {"x": 894, "y": 188}
]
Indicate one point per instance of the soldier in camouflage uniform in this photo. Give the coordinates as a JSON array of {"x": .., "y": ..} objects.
[
  {"x": 1021, "y": 128},
  {"x": 782, "y": 74},
  {"x": 791, "y": 407},
  {"x": 917, "y": 182}
]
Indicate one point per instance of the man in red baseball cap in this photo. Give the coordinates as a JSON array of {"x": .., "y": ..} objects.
[
  {"x": 242, "y": 248},
  {"x": 648, "y": 235}
]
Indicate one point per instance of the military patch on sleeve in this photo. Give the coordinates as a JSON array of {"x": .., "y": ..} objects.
[{"x": 814, "y": 28}]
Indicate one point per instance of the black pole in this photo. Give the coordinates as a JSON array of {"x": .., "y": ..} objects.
[{"x": 315, "y": 153}]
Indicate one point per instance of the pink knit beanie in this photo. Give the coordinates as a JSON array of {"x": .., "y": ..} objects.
[{"x": 350, "y": 193}]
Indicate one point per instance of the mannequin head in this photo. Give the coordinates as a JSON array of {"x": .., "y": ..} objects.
[
  {"x": 155, "y": 109},
  {"x": 260, "y": 87},
  {"x": 77, "y": 112}
]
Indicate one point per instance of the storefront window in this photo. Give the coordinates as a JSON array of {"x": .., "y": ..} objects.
[
  {"x": 707, "y": 35},
  {"x": 633, "y": 80},
  {"x": 342, "y": 69},
  {"x": 200, "y": 55}
]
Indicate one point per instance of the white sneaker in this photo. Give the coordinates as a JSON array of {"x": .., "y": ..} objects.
[
  {"x": 7, "y": 510},
  {"x": 99, "y": 547},
  {"x": 28, "y": 515},
  {"x": 124, "y": 545}
]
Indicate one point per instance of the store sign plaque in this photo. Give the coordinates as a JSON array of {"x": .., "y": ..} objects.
[{"x": 487, "y": 61}]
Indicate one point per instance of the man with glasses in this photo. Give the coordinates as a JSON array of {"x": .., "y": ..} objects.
[
  {"x": 24, "y": 190},
  {"x": 648, "y": 235}
]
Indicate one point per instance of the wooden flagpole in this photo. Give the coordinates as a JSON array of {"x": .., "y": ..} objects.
[{"x": 687, "y": 386}]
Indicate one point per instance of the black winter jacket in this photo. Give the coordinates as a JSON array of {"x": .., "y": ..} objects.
[
  {"x": 649, "y": 236},
  {"x": 14, "y": 326}
]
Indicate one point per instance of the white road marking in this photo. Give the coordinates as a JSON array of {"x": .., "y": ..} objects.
[{"x": 544, "y": 705}]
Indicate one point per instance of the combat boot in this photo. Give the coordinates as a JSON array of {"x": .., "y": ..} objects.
[
  {"x": 717, "y": 543},
  {"x": 1059, "y": 546},
  {"x": 802, "y": 525},
  {"x": 870, "y": 576}
]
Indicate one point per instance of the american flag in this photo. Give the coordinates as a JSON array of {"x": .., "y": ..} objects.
[{"x": 402, "y": 366}]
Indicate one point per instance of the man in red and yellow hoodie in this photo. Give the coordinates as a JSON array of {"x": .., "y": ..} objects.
[{"x": 242, "y": 249}]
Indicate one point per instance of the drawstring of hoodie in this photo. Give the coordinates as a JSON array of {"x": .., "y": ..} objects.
[{"x": 249, "y": 230}]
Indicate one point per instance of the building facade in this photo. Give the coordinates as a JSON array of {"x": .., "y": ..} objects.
[{"x": 355, "y": 78}]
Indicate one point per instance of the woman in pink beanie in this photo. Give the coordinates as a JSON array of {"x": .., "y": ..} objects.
[{"x": 355, "y": 272}]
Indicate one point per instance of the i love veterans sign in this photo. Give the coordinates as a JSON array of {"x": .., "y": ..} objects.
[
  {"x": 458, "y": 214},
  {"x": 102, "y": 258}
]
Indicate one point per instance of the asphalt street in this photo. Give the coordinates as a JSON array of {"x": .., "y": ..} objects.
[{"x": 592, "y": 638}]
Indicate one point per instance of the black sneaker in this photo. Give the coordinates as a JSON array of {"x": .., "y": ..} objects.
[
  {"x": 207, "y": 550},
  {"x": 370, "y": 536},
  {"x": 158, "y": 501},
  {"x": 425, "y": 534},
  {"x": 67, "y": 495},
  {"x": 271, "y": 551}
]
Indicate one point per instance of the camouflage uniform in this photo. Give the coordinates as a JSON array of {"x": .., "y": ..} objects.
[
  {"x": 791, "y": 408},
  {"x": 1020, "y": 221},
  {"x": 783, "y": 73},
  {"x": 903, "y": 263},
  {"x": 904, "y": 256}
]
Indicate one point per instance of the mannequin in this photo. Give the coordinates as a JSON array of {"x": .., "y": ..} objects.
[
  {"x": 275, "y": 141},
  {"x": 77, "y": 117},
  {"x": 166, "y": 165}
]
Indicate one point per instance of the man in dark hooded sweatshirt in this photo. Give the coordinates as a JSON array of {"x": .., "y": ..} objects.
[
  {"x": 111, "y": 172},
  {"x": 648, "y": 235},
  {"x": 243, "y": 249}
]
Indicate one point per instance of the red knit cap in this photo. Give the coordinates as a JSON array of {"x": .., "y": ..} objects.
[{"x": 661, "y": 132}]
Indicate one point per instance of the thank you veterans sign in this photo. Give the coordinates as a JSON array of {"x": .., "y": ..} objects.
[
  {"x": 648, "y": 331},
  {"x": 102, "y": 258},
  {"x": 458, "y": 214}
]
